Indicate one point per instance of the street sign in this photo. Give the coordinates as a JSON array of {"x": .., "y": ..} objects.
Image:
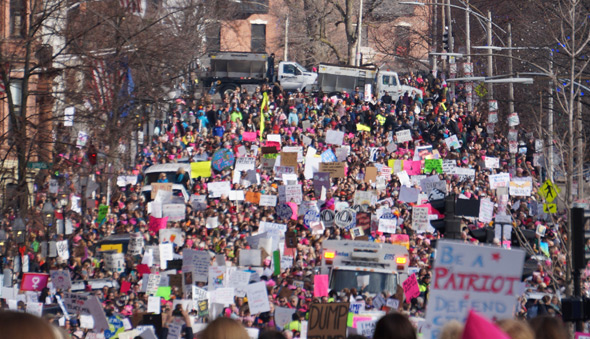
[
  {"x": 550, "y": 208},
  {"x": 481, "y": 90},
  {"x": 39, "y": 165},
  {"x": 549, "y": 191}
]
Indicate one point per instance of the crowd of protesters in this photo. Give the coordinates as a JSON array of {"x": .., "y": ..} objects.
[{"x": 194, "y": 130}]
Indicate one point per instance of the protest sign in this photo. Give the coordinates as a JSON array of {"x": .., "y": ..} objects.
[
  {"x": 61, "y": 279},
  {"x": 222, "y": 159},
  {"x": 196, "y": 262},
  {"x": 201, "y": 169},
  {"x": 521, "y": 186},
  {"x": 174, "y": 212},
  {"x": 217, "y": 189},
  {"x": 135, "y": 244},
  {"x": 34, "y": 281},
  {"x": 346, "y": 218},
  {"x": 387, "y": 225},
  {"x": 336, "y": 169},
  {"x": 403, "y": 135},
  {"x": 491, "y": 162},
  {"x": 452, "y": 142},
  {"x": 250, "y": 257},
  {"x": 468, "y": 277},
  {"x": 499, "y": 180},
  {"x": 420, "y": 219},
  {"x": 283, "y": 316},
  {"x": 433, "y": 165},
  {"x": 245, "y": 163},
  {"x": 289, "y": 159},
  {"x": 114, "y": 262},
  {"x": 327, "y": 320},
  {"x": 268, "y": 200},
  {"x": 486, "y": 210},
  {"x": 411, "y": 289},
  {"x": 257, "y": 298},
  {"x": 159, "y": 186},
  {"x": 320, "y": 285},
  {"x": 334, "y": 137}
]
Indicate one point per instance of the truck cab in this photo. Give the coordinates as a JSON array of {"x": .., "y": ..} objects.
[
  {"x": 388, "y": 81},
  {"x": 367, "y": 266},
  {"x": 294, "y": 77}
]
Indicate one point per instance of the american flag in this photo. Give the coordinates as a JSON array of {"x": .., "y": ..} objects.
[
  {"x": 136, "y": 7},
  {"x": 105, "y": 77},
  {"x": 108, "y": 78}
]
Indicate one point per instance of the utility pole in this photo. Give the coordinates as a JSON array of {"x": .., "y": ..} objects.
[
  {"x": 580, "y": 149},
  {"x": 550, "y": 119},
  {"x": 444, "y": 29},
  {"x": 490, "y": 57},
  {"x": 468, "y": 51},
  {"x": 510, "y": 70},
  {"x": 359, "y": 35},
  {"x": 451, "y": 44},
  {"x": 435, "y": 37},
  {"x": 286, "y": 51}
]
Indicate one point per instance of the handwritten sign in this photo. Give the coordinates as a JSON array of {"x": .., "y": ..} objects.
[
  {"x": 327, "y": 320},
  {"x": 336, "y": 169},
  {"x": 468, "y": 277}
]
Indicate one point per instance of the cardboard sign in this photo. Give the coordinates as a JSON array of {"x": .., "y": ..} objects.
[
  {"x": 411, "y": 288},
  {"x": 157, "y": 186},
  {"x": 468, "y": 277},
  {"x": 370, "y": 174},
  {"x": 289, "y": 159},
  {"x": 327, "y": 320},
  {"x": 336, "y": 169}
]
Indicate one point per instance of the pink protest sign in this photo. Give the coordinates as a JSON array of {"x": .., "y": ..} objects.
[
  {"x": 320, "y": 285},
  {"x": 413, "y": 167},
  {"x": 34, "y": 281},
  {"x": 249, "y": 136},
  {"x": 157, "y": 224},
  {"x": 411, "y": 289},
  {"x": 401, "y": 239},
  {"x": 580, "y": 335}
]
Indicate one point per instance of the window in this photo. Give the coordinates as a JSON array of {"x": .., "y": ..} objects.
[
  {"x": 213, "y": 36},
  {"x": 17, "y": 18},
  {"x": 289, "y": 69},
  {"x": 258, "y": 36},
  {"x": 386, "y": 79}
]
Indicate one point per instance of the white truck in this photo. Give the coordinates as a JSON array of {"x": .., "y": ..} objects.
[
  {"x": 335, "y": 79},
  {"x": 229, "y": 70},
  {"x": 367, "y": 266}
]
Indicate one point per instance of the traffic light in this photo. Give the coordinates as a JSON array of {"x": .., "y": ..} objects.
[
  {"x": 445, "y": 39},
  {"x": 92, "y": 155},
  {"x": 580, "y": 236},
  {"x": 449, "y": 225}
]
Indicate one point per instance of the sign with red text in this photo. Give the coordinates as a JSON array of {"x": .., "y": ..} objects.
[
  {"x": 468, "y": 277},
  {"x": 411, "y": 288}
]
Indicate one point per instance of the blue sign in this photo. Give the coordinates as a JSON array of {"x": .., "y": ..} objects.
[{"x": 222, "y": 159}]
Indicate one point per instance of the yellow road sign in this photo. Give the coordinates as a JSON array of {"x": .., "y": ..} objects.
[
  {"x": 549, "y": 191},
  {"x": 550, "y": 208},
  {"x": 481, "y": 90}
]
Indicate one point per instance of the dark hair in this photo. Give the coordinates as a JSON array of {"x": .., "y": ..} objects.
[
  {"x": 548, "y": 328},
  {"x": 271, "y": 334},
  {"x": 394, "y": 326}
]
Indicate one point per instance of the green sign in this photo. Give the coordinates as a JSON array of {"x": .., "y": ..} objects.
[{"x": 39, "y": 165}]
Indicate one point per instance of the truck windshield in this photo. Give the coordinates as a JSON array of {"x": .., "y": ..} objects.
[{"x": 378, "y": 282}]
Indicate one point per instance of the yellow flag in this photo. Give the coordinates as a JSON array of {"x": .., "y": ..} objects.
[{"x": 263, "y": 107}]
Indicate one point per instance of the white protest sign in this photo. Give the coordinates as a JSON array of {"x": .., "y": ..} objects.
[
  {"x": 420, "y": 220},
  {"x": 61, "y": 279},
  {"x": 257, "y": 298},
  {"x": 153, "y": 304},
  {"x": 250, "y": 258},
  {"x": 166, "y": 253},
  {"x": 224, "y": 295},
  {"x": 486, "y": 210},
  {"x": 244, "y": 164},
  {"x": 62, "y": 249},
  {"x": 468, "y": 277},
  {"x": 172, "y": 235},
  {"x": 217, "y": 189},
  {"x": 334, "y": 137},
  {"x": 499, "y": 180},
  {"x": 491, "y": 162},
  {"x": 268, "y": 200},
  {"x": 135, "y": 244},
  {"x": 521, "y": 186},
  {"x": 114, "y": 262},
  {"x": 174, "y": 212},
  {"x": 403, "y": 135}
]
